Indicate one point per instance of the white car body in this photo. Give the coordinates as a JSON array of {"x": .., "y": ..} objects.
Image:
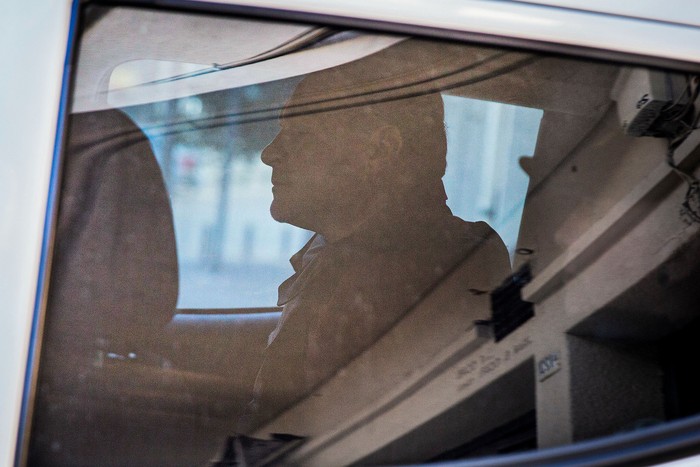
[{"x": 36, "y": 39}]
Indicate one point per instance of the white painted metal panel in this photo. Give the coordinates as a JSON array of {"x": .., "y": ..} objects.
[
  {"x": 674, "y": 11},
  {"x": 32, "y": 51},
  {"x": 517, "y": 20}
]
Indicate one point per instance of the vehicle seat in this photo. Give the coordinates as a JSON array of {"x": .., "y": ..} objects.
[{"x": 114, "y": 284}]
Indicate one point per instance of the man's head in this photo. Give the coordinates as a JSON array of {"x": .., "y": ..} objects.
[{"x": 335, "y": 165}]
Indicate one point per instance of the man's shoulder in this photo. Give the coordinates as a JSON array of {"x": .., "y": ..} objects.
[{"x": 470, "y": 231}]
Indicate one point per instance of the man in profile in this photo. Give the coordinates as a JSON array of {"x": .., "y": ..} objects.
[{"x": 362, "y": 169}]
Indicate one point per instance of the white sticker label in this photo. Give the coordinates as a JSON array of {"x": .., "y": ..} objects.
[{"x": 548, "y": 365}]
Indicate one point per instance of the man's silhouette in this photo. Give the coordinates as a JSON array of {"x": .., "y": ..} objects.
[{"x": 363, "y": 173}]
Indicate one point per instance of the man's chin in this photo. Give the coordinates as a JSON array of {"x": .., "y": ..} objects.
[
  {"x": 279, "y": 213},
  {"x": 283, "y": 214}
]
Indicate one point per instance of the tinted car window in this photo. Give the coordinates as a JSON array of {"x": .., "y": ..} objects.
[{"x": 294, "y": 244}]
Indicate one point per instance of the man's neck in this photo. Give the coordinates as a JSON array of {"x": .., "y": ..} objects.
[{"x": 387, "y": 216}]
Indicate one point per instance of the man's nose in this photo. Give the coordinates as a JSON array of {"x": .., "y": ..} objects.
[{"x": 270, "y": 155}]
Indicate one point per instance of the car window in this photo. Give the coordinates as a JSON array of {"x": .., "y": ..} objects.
[{"x": 288, "y": 243}]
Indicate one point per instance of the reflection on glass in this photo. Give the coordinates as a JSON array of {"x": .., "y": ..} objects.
[
  {"x": 237, "y": 260},
  {"x": 491, "y": 250}
]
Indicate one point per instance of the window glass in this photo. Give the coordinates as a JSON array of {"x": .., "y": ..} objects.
[
  {"x": 483, "y": 180},
  {"x": 282, "y": 243},
  {"x": 231, "y": 253}
]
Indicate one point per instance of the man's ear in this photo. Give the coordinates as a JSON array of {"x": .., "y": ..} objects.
[{"x": 387, "y": 144}]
